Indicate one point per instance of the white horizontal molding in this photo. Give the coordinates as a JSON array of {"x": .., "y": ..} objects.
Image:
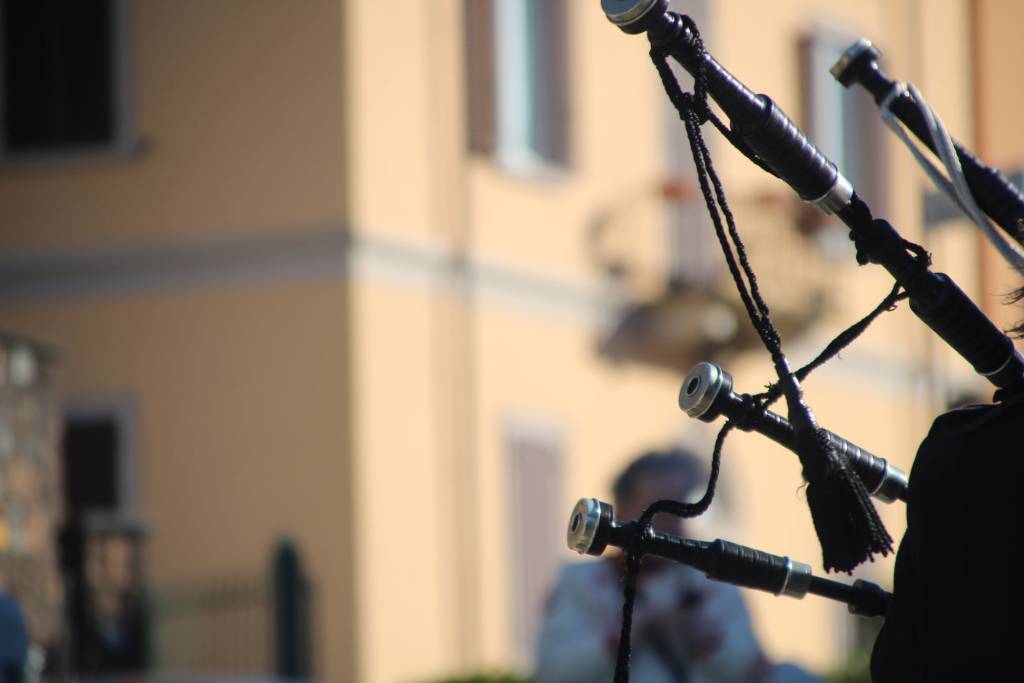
[
  {"x": 119, "y": 269},
  {"x": 314, "y": 252}
]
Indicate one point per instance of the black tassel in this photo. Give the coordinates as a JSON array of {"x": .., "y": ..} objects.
[{"x": 846, "y": 521}]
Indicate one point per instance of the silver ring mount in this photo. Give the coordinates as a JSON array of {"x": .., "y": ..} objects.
[
  {"x": 583, "y": 525},
  {"x": 849, "y": 55},
  {"x": 894, "y": 482},
  {"x": 625, "y": 13},
  {"x": 700, "y": 388},
  {"x": 798, "y": 579},
  {"x": 836, "y": 198}
]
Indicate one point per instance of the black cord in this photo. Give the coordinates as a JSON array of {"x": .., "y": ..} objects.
[
  {"x": 635, "y": 552},
  {"x": 694, "y": 111},
  {"x": 845, "y": 520},
  {"x": 842, "y": 340}
]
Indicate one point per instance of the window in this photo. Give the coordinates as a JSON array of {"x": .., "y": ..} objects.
[
  {"x": 91, "y": 478},
  {"x": 100, "y": 543},
  {"x": 517, "y": 82},
  {"x": 537, "y": 518},
  {"x": 843, "y": 122},
  {"x": 98, "y": 457},
  {"x": 63, "y": 81}
]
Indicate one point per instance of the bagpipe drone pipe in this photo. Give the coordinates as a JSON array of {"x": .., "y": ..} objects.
[
  {"x": 840, "y": 475},
  {"x": 992, "y": 191}
]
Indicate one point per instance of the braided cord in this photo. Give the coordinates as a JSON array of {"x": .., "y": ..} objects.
[
  {"x": 694, "y": 111},
  {"x": 846, "y": 522},
  {"x": 634, "y": 555}
]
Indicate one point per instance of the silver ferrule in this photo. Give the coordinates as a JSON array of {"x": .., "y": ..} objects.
[
  {"x": 1014, "y": 355},
  {"x": 851, "y": 53},
  {"x": 583, "y": 524},
  {"x": 837, "y": 197},
  {"x": 625, "y": 12},
  {"x": 700, "y": 388},
  {"x": 798, "y": 579},
  {"x": 894, "y": 481}
]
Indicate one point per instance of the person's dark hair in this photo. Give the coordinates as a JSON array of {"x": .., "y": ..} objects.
[
  {"x": 1018, "y": 329},
  {"x": 659, "y": 462}
]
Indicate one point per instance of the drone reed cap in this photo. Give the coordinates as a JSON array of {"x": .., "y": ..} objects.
[
  {"x": 588, "y": 526},
  {"x": 853, "y": 58},
  {"x": 704, "y": 383},
  {"x": 629, "y": 15}
]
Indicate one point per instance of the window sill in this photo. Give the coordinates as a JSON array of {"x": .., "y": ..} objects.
[
  {"x": 72, "y": 157},
  {"x": 530, "y": 166}
]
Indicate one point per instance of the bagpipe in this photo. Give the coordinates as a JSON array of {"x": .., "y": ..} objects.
[{"x": 841, "y": 477}]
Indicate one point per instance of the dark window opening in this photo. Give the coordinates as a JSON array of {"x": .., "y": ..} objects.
[
  {"x": 90, "y": 459},
  {"x": 843, "y": 122},
  {"x": 517, "y": 81},
  {"x": 100, "y": 551},
  {"x": 60, "y": 60},
  {"x": 479, "y": 33}
]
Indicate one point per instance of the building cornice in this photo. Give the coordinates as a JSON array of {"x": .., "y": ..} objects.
[{"x": 315, "y": 252}]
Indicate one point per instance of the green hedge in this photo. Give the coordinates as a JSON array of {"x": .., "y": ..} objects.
[
  {"x": 485, "y": 678},
  {"x": 856, "y": 669}
]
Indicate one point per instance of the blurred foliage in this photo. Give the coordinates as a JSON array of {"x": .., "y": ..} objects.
[
  {"x": 855, "y": 669},
  {"x": 485, "y": 678}
]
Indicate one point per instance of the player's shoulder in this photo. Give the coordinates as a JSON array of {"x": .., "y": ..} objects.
[
  {"x": 964, "y": 444},
  {"x": 986, "y": 417}
]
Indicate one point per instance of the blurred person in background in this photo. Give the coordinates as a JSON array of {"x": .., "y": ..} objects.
[
  {"x": 686, "y": 628},
  {"x": 13, "y": 641}
]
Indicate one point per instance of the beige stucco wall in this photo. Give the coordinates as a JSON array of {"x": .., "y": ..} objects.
[
  {"x": 239, "y": 383},
  {"x": 1000, "y": 141},
  {"x": 403, "y": 489},
  {"x": 238, "y": 114},
  {"x": 998, "y": 68}
]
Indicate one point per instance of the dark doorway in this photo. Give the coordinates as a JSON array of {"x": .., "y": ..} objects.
[
  {"x": 90, "y": 458},
  {"x": 100, "y": 549}
]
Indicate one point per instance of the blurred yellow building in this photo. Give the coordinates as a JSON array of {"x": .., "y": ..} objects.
[{"x": 402, "y": 281}]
